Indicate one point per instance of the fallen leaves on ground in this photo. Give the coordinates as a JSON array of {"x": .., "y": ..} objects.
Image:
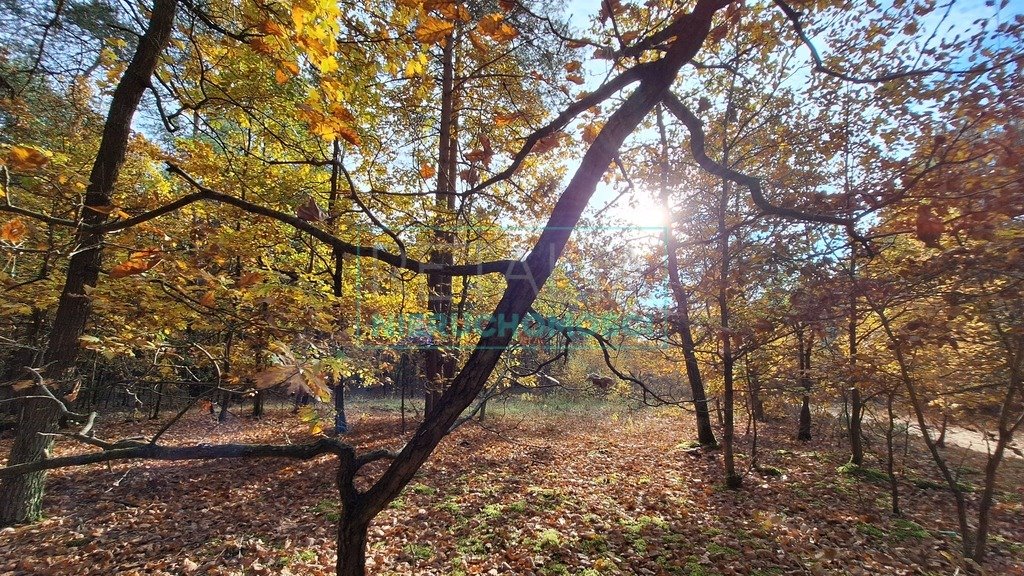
[{"x": 538, "y": 493}]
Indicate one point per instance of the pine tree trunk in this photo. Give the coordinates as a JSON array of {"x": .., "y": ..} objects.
[{"x": 21, "y": 497}]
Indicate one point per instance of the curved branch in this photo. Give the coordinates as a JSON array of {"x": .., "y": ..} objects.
[
  {"x": 819, "y": 64},
  {"x": 697, "y": 148},
  {"x": 505, "y": 267}
]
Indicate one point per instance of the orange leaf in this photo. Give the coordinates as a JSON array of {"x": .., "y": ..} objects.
[
  {"x": 432, "y": 29},
  {"x": 208, "y": 299},
  {"x": 349, "y": 135},
  {"x": 260, "y": 45},
  {"x": 25, "y": 158},
  {"x": 494, "y": 26},
  {"x": 574, "y": 78},
  {"x": 573, "y": 66},
  {"x": 272, "y": 28},
  {"x": 13, "y": 231},
  {"x": 137, "y": 263},
  {"x": 427, "y": 171},
  {"x": 249, "y": 279}
]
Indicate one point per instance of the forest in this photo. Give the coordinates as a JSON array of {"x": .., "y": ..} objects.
[{"x": 680, "y": 287}]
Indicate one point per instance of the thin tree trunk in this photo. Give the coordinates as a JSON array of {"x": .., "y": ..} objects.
[
  {"x": 856, "y": 434},
  {"x": 804, "y": 430},
  {"x": 894, "y": 488},
  {"x": 21, "y": 496},
  {"x": 680, "y": 323}
]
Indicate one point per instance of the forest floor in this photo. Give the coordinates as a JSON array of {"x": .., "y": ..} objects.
[{"x": 531, "y": 491}]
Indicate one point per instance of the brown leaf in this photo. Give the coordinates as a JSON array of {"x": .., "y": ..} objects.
[
  {"x": 310, "y": 211},
  {"x": 929, "y": 227},
  {"x": 209, "y": 299},
  {"x": 547, "y": 143}
]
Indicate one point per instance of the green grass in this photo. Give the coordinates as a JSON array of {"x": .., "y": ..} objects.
[
  {"x": 304, "y": 556},
  {"x": 419, "y": 551},
  {"x": 863, "y": 472},
  {"x": 905, "y": 529},
  {"x": 870, "y": 530},
  {"x": 719, "y": 550},
  {"x": 493, "y": 511},
  {"x": 549, "y": 538},
  {"x": 423, "y": 489},
  {"x": 329, "y": 509}
]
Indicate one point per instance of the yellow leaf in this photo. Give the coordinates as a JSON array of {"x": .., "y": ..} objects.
[
  {"x": 432, "y": 29},
  {"x": 13, "y": 231},
  {"x": 590, "y": 132},
  {"x": 317, "y": 428},
  {"x": 413, "y": 68},
  {"x": 298, "y": 18},
  {"x": 328, "y": 65},
  {"x": 25, "y": 158}
]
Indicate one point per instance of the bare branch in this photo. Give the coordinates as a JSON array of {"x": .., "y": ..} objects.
[
  {"x": 819, "y": 64},
  {"x": 201, "y": 452}
]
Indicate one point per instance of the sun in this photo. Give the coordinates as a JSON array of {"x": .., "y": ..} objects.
[{"x": 640, "y": 211}]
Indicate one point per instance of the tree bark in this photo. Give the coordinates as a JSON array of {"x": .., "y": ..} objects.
[{"x": 21, "y": 497}]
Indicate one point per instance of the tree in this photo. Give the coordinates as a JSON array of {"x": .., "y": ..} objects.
[
  {"x": 646, "y": 65},
  {"x": 22, "y": 495}
]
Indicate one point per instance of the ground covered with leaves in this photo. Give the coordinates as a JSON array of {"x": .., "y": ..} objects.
[{"x": 531, "y": 491}]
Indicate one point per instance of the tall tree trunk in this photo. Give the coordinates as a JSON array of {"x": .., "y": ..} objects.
[
  {"x": 680, "y": 323},
  {"x": 21, "y": 496},
  {"x": 732, "y": 479},
  {"x": 440, "y": 363},
  {"x": 754, "y": 390},
  {"x": 856, "y": 408}
]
